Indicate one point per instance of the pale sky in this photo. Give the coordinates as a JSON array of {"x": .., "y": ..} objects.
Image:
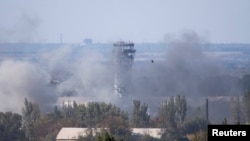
[{"x": 220, "y": 21}]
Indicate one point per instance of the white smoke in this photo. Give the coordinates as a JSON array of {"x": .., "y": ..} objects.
[
  {"x": 88, "y": 75},
  {"x": 24, "y": 30},
  {"x": 20, "y": 79}
]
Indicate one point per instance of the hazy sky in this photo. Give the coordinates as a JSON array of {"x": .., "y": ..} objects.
[{"x": 111, "y": 20}]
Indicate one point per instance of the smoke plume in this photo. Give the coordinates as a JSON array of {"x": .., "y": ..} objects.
[
  {"x": 55, "y": 74},
  {"x": 185, "y": 70},
  {"x": 25, "y": 30},
  {"x": 20, "y": 79},
  {"x": 68, "y": 72}
]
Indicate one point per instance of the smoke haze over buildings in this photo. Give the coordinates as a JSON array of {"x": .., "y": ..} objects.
[
  {"x": 89, "y": 76},
  {"x": 185, "y": 70}
]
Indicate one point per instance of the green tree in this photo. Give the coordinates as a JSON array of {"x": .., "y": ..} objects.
[
  {"x": 194, "y": 125},
  {"x": 57, "y": 114},
  {"x": 171, "y": 116},
  {"x": 136, "y": 113},
  {"x": 118, "y": 127},
  {"x": 10, "y": 127},
  {"x": 82, "y": 115},
  {"x": 224, "y": 121},
  {"x": 140, "y": 117},
  {"x": 246, "y": 104},
  {"x": 236, "y": 110},
  {"x": 105, "y": 136},
  {"x": 199, "y": 136},
  {"x": 69, "y": 109},
  {"x": 94, "y": 113},
  {"x": 89, "y": 136},
  {"x": 31, "y": 114},
  {"x": 166, "y": 115},
  {"x": 181, "y": 109}
]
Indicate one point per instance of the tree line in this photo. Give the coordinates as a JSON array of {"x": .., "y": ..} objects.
[{"x": 33, "y": 125}]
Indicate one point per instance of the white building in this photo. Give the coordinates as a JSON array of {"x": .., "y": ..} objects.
[{"x": 72, "y": 134}]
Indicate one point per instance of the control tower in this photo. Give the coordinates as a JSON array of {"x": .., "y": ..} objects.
[{"x": 123, "y": 57}]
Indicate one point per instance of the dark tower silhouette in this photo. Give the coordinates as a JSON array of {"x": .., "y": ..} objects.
[{"x": 123, "y": 57}]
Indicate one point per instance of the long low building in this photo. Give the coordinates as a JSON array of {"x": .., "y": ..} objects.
[{"x": 72, "y": 134}]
